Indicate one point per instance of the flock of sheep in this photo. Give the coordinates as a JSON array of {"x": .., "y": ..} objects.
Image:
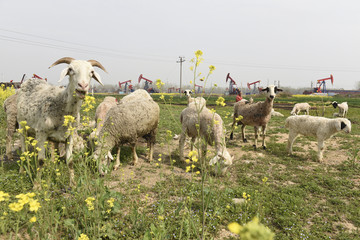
[{"x": 43, "y": 107}]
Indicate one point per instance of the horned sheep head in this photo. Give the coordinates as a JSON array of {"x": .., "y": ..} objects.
[{"x": 80, "y": 72}]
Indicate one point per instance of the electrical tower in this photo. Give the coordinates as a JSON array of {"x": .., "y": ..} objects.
[{"x": 181, "y": 60}]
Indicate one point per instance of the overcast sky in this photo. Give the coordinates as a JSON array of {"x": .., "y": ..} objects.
[{"x": 291, "y": 41}]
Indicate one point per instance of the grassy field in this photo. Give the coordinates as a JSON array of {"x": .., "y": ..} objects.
[{"x": 296, "y": 196}]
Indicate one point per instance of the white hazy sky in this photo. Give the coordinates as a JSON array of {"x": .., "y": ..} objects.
[{"x": 291, "y": 41}]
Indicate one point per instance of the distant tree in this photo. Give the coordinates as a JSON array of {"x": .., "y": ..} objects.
[{"x": 358, "y": 85}]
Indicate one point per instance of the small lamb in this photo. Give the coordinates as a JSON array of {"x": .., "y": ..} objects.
[
  {"x": 298, "y": 107},
  {"x": 200, "y": 101},
  {"x": 319, "y": 127},
  {"x": 343, "y": 108}
]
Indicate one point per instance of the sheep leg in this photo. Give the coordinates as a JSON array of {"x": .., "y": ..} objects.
[
  {"x": 117, "y": 162},
  {"x": 232, "y": 129},
  {"x": 291, "y": 139},
  {"x": 256, "y": 130},
  {"x": 151, "y": 151},
  {"x": 69, "y": 158},
  {"x": 181, "y": 145},
  {"x": 135, "y": 157},
  {"x": 321, "y": 147},
  {"x": 54, "y": 146},
  {"x": 263, "y": 128},
  {"x": 41, "y": 138},
  {"x": 192, "y": 143},
  {"x": 243, "y": 133}
]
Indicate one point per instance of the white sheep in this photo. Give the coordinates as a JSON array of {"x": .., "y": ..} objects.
[
  {"x": 135, "y": 116},
  {"x": 200, "y": 101},
  {"x": 298, "y": 107},
  {"x": 44, "y": 106},
  {"x": 211, "y": 129},
  {"x": 12, "y": 124},
  {"x": 319, "y": 127},
  {"x": 343, "y": 109},
  {"x": 255, "y": 114},
  {"x": 101, "y": 112},
  {"x": 276, "y": 114}
]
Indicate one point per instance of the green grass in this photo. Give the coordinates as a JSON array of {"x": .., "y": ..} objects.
[{"x": 300, "y": 199}]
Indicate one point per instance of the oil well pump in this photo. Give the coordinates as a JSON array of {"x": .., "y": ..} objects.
[{"x": 232, "y": 85}]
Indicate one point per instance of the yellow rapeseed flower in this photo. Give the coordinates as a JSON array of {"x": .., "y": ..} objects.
[
  {"x": 4, "y": 196},
  {"x": 198, "y": 53},
  {"x": 188, "y": 169},
  {"x": 33, "y": 219},
  {"x": 234, "y": 227},
  {"x": 16, "y": 207},
  {"x": 34, "y": 205},
  {"x": 83, "y": 237}
]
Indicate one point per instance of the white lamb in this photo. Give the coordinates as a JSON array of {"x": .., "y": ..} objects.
[
  {"x": 255, "y": 114},
  {"x": 298, "y": 107},
  {"x": 200, "y": 101},
  {"x": 211, "y": 129},
  {"x": 343, "y": 109},
  {"x": 319, "y": 127},
  {"x": 136, "y": 115},
  {"x": 43, "y": 106}
]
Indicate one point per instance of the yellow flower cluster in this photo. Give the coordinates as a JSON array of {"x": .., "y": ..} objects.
[
  {"x": 4, "y": 196},
  {"x": 88, "y": 103},
  {"x": 159, "y": 84},
  {"x": 191, "y": 160},
  {"x": 23, "y": 199},
  {"x": 90, "y": 203},
  {"x": 246, "y": 196},
  {"x": 220, "y": 101},
  {"x": 111, "y": 202},
  {"x": 253, "y": 230},
  {"x": 83, "y": 237},
  {"x": 211, "y": 69},
  {"x": 5, "y": 92}
]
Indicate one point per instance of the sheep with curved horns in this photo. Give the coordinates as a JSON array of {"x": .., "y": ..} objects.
[
  {"x": 319, "y": 127},
  {"x": 43, "y": 106},
  {"x": 255, "y": 114},
  {"x": 298, "y": 107},
  {"x": 343, "y": 108}
]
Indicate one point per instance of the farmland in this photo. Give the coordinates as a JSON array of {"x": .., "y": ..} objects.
[{"x": 296, "y": 196}]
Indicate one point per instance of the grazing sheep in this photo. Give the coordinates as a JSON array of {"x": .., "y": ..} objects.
[
  {"x": 319, "y": 127},
  {"x": 12, "y": 124},
  {"x": 255, "y": 114},
  {"x": 44, "y": 106},
  {"x": 101, "y": 112},
  {"x": 343, "y": 109},
  {"x": 298, "y": 107},
  {"x": 135, "y": 116},
  {"x": 210, "y": 128}
]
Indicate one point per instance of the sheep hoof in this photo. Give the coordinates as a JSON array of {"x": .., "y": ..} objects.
[
  {"x": 254, "y": 146},
  {"x": 231, "y": 136},
  {"x": 245, "y": 140},
  {"x": 264, "y": 147}
]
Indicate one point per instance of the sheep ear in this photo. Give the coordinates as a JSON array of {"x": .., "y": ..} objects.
[
  {"x": 63, "y": 74},
  {"x": 342, "y": 125},
  {"x": 265, "y": 89},
  {"x": 97, "y": 77},
  {"x": 278, "y": 89}
]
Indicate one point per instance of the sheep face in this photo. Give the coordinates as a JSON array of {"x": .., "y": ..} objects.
[
  {"x": 271, "y": 91},
  {"x": 335, "y": 104},
  {"x": 81, "y": 73},
  {"x": 187, "y": 92},
  {"x": 343, "y": 125}
]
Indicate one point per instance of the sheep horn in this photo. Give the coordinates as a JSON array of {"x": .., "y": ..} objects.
[
  {"x": 62, "y": 60},
  {"x": 97, "y": 64}
]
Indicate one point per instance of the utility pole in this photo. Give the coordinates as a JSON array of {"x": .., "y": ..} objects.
[{"x": 181, "y": 60}]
